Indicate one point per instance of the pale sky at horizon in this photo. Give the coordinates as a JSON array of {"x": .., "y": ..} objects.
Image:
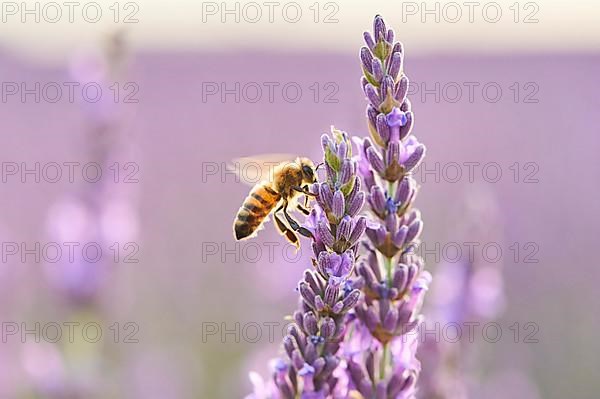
[{"x": 561, "y": 26}]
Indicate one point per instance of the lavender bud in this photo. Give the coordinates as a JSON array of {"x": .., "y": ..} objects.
[
  {"x": 390, "y": 320},
  {"x": 325, "y": 234},
  {"x": 369, "y": 40},
  {"x": 382, "y": 127},
  {"x": 401, "y": 89},
  {"x": 366, "y": 273},
  {"x": 346, "y": 171},
  {"x": 375, "y": 160},
  {"x": 310, "y": 279},
  {"x": 372, "y": 318},
  {"x": 363, "y": 82},
  {"x": 371, "y": 93},
  {"x": 331, "y": 364},
  {"x": 326, "y": 143},
  {"x": 310, "y": 323},
  {"x": 379, "y": 28},
  {"x": 392, "y": 153},
  {"x": 405, "y": 106},
  {"x": 310, "y": 353},
  {"x": 307, "y": 294},
  {"x": 295, "y": 334},
  {"x": 380, "y": 390},
  {"x": 390, "y": 36},
  {"x": 356, "y": 373},
  {"x": 372, "y": 114},
  {"x": 414, "y": 230},
  {"x": 344, "y": 228},
  {"x": 370, "y": 365},
  {"x": 350, "y": 300},
  {"x": 378, "y": 71},
  {"x": 319, "y": 365},
  {"x": 338, "y": 307},
  {"x": 339, "y": 205},
  {"x": 400, "y": 277},
  {"x": 297, "y": 359},
  {"x": 415, "y": 158},
  {"x": 285, "y": 388},
  {"x": 395, "y": 385},
  {"x": 326, "y": 196},
  {"x": 395, "y": 65},
  {"x": 331, "y": 294},
  {"x": 288, "y": 345},
  {"x": 399, "y": 238},
  {"x": 299, "y": 318},
  {"x": 407, "y": 127},
  {"x": 367, "y": 58},
  {"x": 391, "y": 222},
  {"x": 318, "y": 247},
  {"x": 359, "y": 229},
  {"x": 356, "y": 203},
  {"x": 342, "y": 150},
  {"x": 403, "y": 191},
  {"x": 373, "y": 264},
  {"x": 377, "y": 199},
  {"x": 413, "y": 215},
  {"x": 377, "y": 236},
  {"x": 384, "y": 303},
  {"x": 355, "y": 189},
  {"x": 319, "y": 304},
  {"x": 331, "y": 173},
  {"x": 398, "y": 48},
  {"x": 387, "y": 87},
  {"x": 328, "y": 328},
  {"x": 412, "y": 274}
]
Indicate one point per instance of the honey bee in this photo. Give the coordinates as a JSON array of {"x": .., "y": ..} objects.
[{"x": 285, "y": 182}]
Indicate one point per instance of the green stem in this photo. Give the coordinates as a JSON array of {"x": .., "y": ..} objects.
[
  {"x": 388, "y": 270},
  {"x": 383, "y": 363}
]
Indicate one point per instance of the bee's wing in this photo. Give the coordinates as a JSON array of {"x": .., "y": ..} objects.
[{"x": 259, "y": 168}]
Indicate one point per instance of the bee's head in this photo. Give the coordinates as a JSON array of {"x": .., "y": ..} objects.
[{"x": 308, "y": 170}]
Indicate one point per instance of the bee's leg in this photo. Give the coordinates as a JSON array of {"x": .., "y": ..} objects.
[
  {"x": 284, "y": 230},
  {"x": 294, "y": 225},
  {"x": 304, "y": 190},
  {"x": 303, "y": 209}
]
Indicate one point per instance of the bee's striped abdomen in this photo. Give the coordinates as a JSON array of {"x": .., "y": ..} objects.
[{"x": 257, "y": 206}]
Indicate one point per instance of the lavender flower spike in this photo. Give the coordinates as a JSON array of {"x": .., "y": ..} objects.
[
  {"x": 312, "y": 344},
  {"x": 391, "y": 277}
]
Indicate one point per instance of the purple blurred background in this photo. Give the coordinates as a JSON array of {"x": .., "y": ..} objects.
[{"x": 192, "y": 276}]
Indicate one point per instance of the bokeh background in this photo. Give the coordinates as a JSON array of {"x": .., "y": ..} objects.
[{"x": 505, "y": 102}]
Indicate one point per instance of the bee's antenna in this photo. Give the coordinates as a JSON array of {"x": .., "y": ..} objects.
[{"x": 319, "y": 165}]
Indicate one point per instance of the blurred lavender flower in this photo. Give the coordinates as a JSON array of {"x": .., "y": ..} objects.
[
  {"x": 99, "y": 213},
  {"x": 391, "y": 276},
  {"x": 470, "y": 290},
  {"x": 311, "y": 367}
]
